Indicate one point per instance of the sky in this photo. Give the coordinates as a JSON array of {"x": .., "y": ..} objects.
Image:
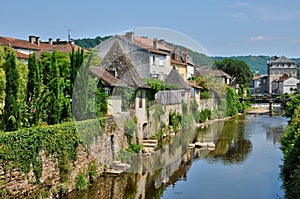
[{"x": 220, "y": 28}]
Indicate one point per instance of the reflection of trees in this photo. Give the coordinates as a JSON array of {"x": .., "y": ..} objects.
[{"x": 232, "y": 147}]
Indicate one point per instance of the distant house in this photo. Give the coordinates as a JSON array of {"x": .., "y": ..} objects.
[
  {"x": 218, "y": 74},
  {"x": 259, "y": 84},
  {"x": 278, "y": 67},
  {"x": 24, "y": 48},
  {"x": 149, "y": 57},
  {"x": 182, "y": 62},
  {"x": 284, "y": 84}
]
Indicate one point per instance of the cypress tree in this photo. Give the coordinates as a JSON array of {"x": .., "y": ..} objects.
[
  {"x": 33, "y": 89},
  {"x": 53, "y": 109},
  {"x": 11, "y": 108}
]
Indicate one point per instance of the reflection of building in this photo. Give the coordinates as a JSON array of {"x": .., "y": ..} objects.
[{"x": 278, "y": 67}]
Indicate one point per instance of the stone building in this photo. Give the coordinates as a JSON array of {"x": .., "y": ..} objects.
[
  {"x": 259, "y": 84},
  {"x": 149, "y": 57},
  {"x": 285, "y": 84},
  {"x": 278, "y": 67},
  {"x": 118, "y": 64}
]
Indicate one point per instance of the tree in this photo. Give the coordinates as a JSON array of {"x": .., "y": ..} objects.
[
  {"x": 34, "y": 86},
  {"x": 53, "y": 93},
  {"x": 238, "y": 70},
  {"x": 11, "y": 109}
]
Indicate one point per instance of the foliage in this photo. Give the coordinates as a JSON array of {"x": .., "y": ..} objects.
[
  {"x": 130, "y": 129},
  {"x": 234, "y": 105},
  {"x": 290, "y": 171},
  {"x": 34, "y": 87},
  {"x": 53, "y": 95},
  {"x": 205, "y": 114},
  {"x": 186, "y": 120},
  {"x": 12, "y": 106},
  {"x": 174, "y": 120},
  {"x": 90, "y": 43},
  {"x": 205, "y": 94},
  {"x": 80, "y": 92},
  {"x": 76, "y": 60},
  {"x": 128, "y": 96},
  {"x": 20, "y": 149},
  {"x": 2, "y": 85},
  {"x": 92, "y": 171},
  {"x": 81, "y": 182},
  {"x": 194, "y": 110},
  {"x": 155, "y": 84},
  {"x": 201, "y": 81},
  {"x": 184, "y": 107},
  {"x": 292, "y": 105},
  {"x": 238, "y": 70}
]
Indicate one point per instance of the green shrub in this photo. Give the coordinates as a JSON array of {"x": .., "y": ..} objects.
[
  {"x": 204, "y": 94},
  {"x": 174, "y": 120},
  {"x": 92, "y": 171},
  {"x": 205, "y": 114},
  {"x": 81, "y": 182}
]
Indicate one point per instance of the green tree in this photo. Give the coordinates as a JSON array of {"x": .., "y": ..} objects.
[
  {"x": 53, "y": 93},
  {"x": 233, "y": 104},
  {"x": 22, "y": 92},
  {"x": 11, "y": 108},
  {"x": 238, "y": 70},
  {"x": 34, "y": 86}
]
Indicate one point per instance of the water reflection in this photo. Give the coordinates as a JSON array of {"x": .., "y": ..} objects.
[
  {"x": 232, "y": 146},
  {"x": 235, "y": 141}
]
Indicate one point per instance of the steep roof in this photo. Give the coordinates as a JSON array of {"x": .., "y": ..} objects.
[
  {"x": 102, "y": 74},
  {"x": 282, "y": 59},
  {"x": 175, "y": 78},
  {"x": 117, "y": 61}
]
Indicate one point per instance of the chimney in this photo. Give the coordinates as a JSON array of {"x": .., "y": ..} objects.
[
  {"x": 50, "y": 41},
  {"x": 57, "y": 40},
  {"x": 32, "y": 39},
  {"x": 129, "y": 36},
  {"x": 37, "y": 40},
  {"x": 162, "y": 42},
  {"x": 155, "y": 43},
  {"x": 186, "y": 56}
]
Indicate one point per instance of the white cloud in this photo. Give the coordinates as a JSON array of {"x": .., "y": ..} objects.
[{"x": 259, "y": 38}]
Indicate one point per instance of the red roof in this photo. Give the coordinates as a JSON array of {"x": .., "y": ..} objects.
[
  {"x": 62, "y": 46},
  {"x": 173, "y": 61},
  {"x": 22, "y": 55}
]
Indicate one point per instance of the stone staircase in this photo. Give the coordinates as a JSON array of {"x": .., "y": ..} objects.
[{"x": 149, "y": 145}]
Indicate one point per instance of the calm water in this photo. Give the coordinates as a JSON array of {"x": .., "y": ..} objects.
[{"x": 245, "y": 164}]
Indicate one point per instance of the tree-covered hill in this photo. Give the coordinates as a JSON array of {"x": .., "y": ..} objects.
[
  {"x": 258, "y": 64},
  {"x": 88, "y": 43}
]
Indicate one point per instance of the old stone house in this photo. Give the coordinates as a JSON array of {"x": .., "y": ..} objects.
[
  {"x": 150, "y": 58},
  {"x": 118, "y": 64}
]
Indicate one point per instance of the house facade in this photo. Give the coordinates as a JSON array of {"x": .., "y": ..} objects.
[
  {"x": 278, "y": 67},
  {"x": 149, "y": 58},
  {"x": 285, "y": 84},
  {"x": 259, "y": 84}
]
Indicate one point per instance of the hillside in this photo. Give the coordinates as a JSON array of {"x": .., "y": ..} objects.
[{"x": 258, "y": 64}]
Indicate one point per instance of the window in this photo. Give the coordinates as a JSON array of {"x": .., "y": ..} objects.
[
  {"x": 161, "y": 61},
  {"x": 153, "y": 60}
]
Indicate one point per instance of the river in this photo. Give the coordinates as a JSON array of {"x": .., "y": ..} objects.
[{"x": 245, "y": 164}]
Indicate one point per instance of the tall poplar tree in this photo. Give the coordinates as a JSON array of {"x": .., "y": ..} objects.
[
  {"x": 11, "y": 109},
  {"x": 53, "y": 93},
  {"x": 33, "y": 90}
]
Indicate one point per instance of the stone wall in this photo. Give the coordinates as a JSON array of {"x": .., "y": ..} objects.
[{"x": 103, "y": 150}]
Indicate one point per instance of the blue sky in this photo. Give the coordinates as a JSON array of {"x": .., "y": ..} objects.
[{"x": 258, "y": 27}]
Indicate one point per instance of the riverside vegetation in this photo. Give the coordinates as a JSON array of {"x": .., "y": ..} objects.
[{"x": 37, "y": 113}]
